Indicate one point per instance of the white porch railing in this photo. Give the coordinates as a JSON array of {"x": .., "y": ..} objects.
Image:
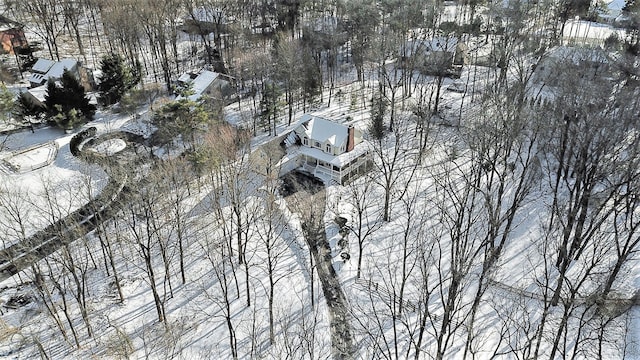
[
  {"x": 335, "y": 175},
  {"x": 308, "y": 168}
]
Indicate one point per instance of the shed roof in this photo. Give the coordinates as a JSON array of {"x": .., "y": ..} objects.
[
  {"x": 39, "y": 93},
  {"x": 185, "y": 78},
  {"x": 203, "y": 81},
  {"x": 199, "y": 84}
]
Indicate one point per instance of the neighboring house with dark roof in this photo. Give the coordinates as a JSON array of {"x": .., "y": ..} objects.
[
  {"x": 329, "y": 150},
  {"x": 45, "y": 69},
  {"x": 203, "y": 83},
  {"x": 12, "y": 37}
]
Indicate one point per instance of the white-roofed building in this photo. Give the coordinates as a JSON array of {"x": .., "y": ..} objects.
[
  {"x": 45, "y": 69},
  {"x": 57, "y": 69},
  {"x": 42, "y": 66},
  {"x": 326, "y": 135},
  {"x": 39, "y": 72},
  {"x": 203, "y": 83},
  {"x": 329, "y": 150},
  {"x": 37, "y": 95}
]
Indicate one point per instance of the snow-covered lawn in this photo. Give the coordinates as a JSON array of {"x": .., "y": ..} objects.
[
  {"x": 41, "y": 196},
  {"x": 412, "y": 253},
  {"x": 33, "y": 158}
]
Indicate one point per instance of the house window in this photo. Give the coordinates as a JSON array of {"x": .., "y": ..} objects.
[
  {"x": 328, "y": 148},
  {"x": 305, "y": 141},
  {"x": 317, "y": 144}
]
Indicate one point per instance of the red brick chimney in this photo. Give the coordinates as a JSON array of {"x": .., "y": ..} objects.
[{"x": 350, "y": 138}]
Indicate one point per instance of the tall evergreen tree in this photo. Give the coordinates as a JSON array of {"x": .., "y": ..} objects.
[
  {"x": 7, "y": 103},
  {"x": 117, "y": 78},
  {"x": 631, "y": 22},
  {"x": 67, "y": 104},
  {"x": 378, "y": 110},
  {"x": 183, "y": 118},
  {"x": 270, "y": 107}
]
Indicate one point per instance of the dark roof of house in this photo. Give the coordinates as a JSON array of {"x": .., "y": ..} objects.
[{"x": 7, "y": 24}]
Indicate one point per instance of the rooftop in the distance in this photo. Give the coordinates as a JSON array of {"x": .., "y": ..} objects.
[
  {"x": 8, "y": 24},
  {"x": 42, "y": 66},
  {"x": 44, "y": 69},
  {"x": 199, "y": 83}
]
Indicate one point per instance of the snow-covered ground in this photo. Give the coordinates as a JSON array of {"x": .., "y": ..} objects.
[
  {"x": 197, "y": 313},
  {"x": 40, "y": 196}
]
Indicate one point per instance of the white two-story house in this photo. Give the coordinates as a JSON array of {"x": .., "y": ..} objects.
[{"x": 330, "y": 150}]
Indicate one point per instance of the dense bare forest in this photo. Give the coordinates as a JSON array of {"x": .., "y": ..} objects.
[{"x": 484, "y": 205}]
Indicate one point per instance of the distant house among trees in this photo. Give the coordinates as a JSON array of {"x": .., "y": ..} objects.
[
  {"x": 329, "y": 150},
  {"x": 196, "y": 85},
  {"x": 437, "y": 55},
  {"x": 577, "y": 62},
  {"x": 204, "y": 20},
  {"x": 566, "y": 66},
  {"x": 12, "y": 37},
  {"x": 45, "y": 69},
  {"x": 211, "y": 25},
  {"x": 63, "y": 102}
]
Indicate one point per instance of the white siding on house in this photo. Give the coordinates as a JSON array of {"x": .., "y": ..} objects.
[{"x": 324, "y": 151}]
